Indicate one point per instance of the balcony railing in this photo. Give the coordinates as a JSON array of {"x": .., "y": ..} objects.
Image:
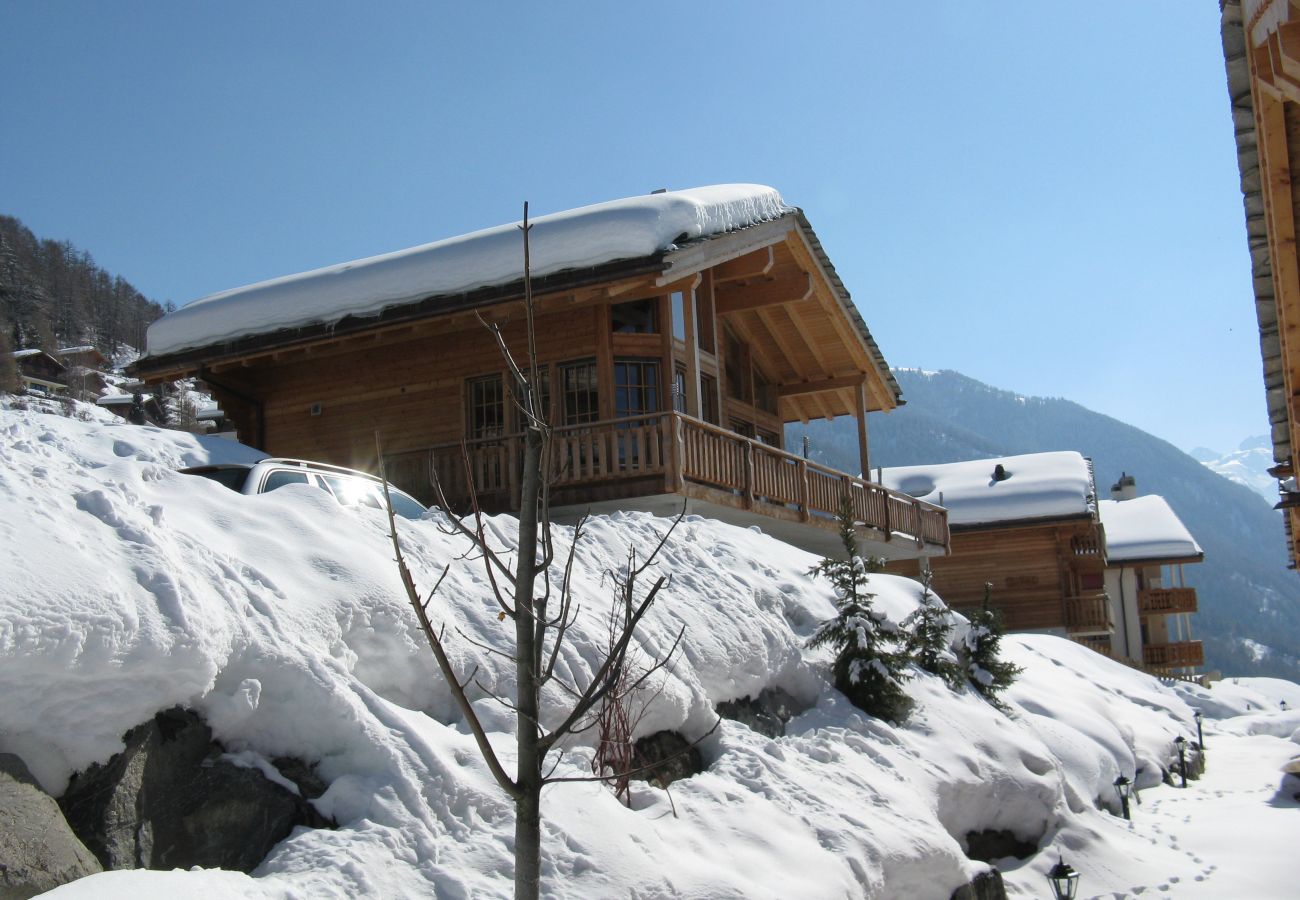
[
  {"x": 1088, "y": 614},
  {"x": 669, "y": 453},
  {"x": 1179, "y": 655},
  {"x": 1166, "y": 601}
]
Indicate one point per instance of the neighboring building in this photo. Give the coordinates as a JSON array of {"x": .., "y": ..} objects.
[
  {"x": 1261, "y": 46},
  {"x": 40, "y": 372},
  {"x": 677, "y": 334},
  {"x": 85, "y": 371},
  {"x": 1147, "y": 546},
  {"x": 1028, "y": 527}
]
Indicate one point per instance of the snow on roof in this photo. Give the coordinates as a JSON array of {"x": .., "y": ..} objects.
[
  {"x": 85, "y": 348},
  {"x": 23, "y": 354},
  {"x": 578, "y": 238},
  {"x": 1035, "y": 486},
  {"x": 1144, "y": 528}
]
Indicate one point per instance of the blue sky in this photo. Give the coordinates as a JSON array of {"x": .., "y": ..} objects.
[{"x": 1043, "y": 196}]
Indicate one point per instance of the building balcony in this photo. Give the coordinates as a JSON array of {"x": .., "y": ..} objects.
[
  {"x": 1166, "y": 601},
  {"x": 1179, "y": 655},
  {"x": 659, "y": 461},
  {"x": 1088, "y": 614}
]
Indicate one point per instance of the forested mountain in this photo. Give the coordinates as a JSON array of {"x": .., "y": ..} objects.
[
  {"x": 53, "y": 295},
  {"x": 1249, "y": 616}
]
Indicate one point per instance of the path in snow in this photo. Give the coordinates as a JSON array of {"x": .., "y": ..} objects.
[{"x": 1239, "y": 832}]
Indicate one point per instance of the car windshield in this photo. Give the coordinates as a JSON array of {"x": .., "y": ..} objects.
[{"x": 362, "y": 492}]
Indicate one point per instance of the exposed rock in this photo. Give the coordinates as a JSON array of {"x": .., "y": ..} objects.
[
  {"x": 669, "y": 756},
  {"x": 984, "y": 886},
  {"x": 991, "y": 844},
  {"x": 767, "y": 714},
  {"x": 169, "y": 800},
  {"x": 38, "y": 851}
]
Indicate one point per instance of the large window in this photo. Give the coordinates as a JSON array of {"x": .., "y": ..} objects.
[
  {"x": 737, "y": 368},
  {"x": 709, "y": 399},
  {"x": 635, "y": 317},
  {"x": 679, "y": 315},
  {"x": 579, "y": 396},
  {"x": 485, "y": 407},
  {"x": 636, "y": 387}
]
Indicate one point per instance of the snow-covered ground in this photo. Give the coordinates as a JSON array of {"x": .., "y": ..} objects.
[{"x": 130, "y": 588}]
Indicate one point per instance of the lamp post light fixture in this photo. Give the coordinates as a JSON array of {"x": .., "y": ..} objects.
[
  {"x": 1064, "y": 880},
  {"x": 1124, "y": 788},
  {"x": 1181, "y": 743},
  {"x": 1200, "y": 735}
]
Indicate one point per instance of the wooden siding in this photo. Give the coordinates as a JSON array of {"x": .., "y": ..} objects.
[{"x": 1036, "y": 572}]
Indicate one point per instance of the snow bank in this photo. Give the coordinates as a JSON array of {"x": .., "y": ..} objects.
[
  {"x": 131, "y": 588},
  {"x": 1144, "y": 528},
  {"x": 1035, "y": 485},
  {"x": 578, "y": 238}
]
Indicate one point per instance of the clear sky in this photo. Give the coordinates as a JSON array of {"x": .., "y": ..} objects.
[{"x": 1040, "y": 195}]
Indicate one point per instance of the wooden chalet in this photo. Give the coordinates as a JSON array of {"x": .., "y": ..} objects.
[
  {"x": 1027, "y": 526},
  {"x": 1147, "y": 546},
  {"x": 1261, "y": 45},
  {"x": 40, "y": 372},
  {"x": 677, "y": 334}
]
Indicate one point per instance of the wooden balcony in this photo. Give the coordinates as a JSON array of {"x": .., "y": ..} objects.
[
  {"x": 669, "y": 457},
  {"x": 1180, "y": 655},
  {"x": 1088, "y": 614},
  {"x": 1166, "y": 601}
]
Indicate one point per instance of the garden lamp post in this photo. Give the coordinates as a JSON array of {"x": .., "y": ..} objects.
[
  {"x": 1064, "y": 880},
  {"x": 1200, "y": 735},
  {"x": 1124, "y": 788},
  {"x": 1181, "y": 743}
]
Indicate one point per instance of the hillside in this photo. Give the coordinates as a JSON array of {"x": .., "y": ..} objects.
[
  {"x": 53, "y": 295},
  {"x": 1249, "y": 615},
  {"x": 131, "y": 588}
]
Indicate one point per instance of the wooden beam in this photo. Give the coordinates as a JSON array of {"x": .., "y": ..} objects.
[
  {"x": 813, "y": 386},
  {"x": 751, "y": 265},
  {"x": 737, "y": 298},
  {"x": 860, "y": 413},
  {"x": 717, "y": 250}
]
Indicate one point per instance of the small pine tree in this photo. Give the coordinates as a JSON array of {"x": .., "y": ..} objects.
[
  {"x": 869, "y": 666},
  {"x": 988, "y": 672},
  {"x": 929, "y": 639}
]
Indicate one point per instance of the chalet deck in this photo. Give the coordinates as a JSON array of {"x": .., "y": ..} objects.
[{"x": 661, "y": 462}]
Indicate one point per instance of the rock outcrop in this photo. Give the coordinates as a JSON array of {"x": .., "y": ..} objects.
[
  {"x": 172, "y": 799},
  {"x": 38, "y": 851}
]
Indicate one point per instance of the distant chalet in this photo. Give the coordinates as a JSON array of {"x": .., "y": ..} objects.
[{"x": 677, "y": 333}]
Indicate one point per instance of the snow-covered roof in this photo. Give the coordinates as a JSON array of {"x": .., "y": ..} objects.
[
  {"x": 85, "y": 348},
  {"x": 580, "y": 238},
  {"x": 1144, "y": 528},
  {"x": 23, "y": 354},
  {"x": 1034, "y": 486}
]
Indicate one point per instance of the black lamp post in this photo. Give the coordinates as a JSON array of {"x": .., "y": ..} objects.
[
  {"x": 1200, "y": 735},
  {"x": 1124, "y": 788},
  {"x": 1064, "y": 881},
  {"x": 1181, "y": 743}
]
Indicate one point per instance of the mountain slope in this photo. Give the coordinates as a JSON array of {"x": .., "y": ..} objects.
[{"x": 1249, "y": 615}]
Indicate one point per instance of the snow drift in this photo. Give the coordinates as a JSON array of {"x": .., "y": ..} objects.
[{"x": 131, "y": 588}]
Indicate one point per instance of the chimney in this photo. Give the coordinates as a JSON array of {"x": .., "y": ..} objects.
[{"x": 1125, "y": 488}]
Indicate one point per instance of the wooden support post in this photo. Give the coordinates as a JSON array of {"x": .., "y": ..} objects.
[
  {"x": 860, "y": 412},
  {"x": 690, "y": 312}
]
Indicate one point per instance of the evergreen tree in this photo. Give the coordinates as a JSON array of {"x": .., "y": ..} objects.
[
  {"x": 988, "y": 672},
  {"x": 929, "y": 639},
  {"x": 870, "y": 666}
]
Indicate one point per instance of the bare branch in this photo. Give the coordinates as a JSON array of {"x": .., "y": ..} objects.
[{"x": 435, "y": 644}]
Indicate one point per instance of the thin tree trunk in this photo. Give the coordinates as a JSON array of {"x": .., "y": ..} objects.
[{"x": 528, "y": 824}]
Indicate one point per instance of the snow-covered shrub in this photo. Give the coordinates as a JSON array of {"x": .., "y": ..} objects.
[
  {"x": 988, "y": 672},
  {"x": 871, "y": 659},
  {"x": 929, "y": 638}
]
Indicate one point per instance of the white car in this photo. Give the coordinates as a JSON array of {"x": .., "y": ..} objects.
[{"x": 348, "y": 486}]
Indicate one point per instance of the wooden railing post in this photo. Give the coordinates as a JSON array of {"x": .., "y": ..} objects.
[
  {"x": 804, "y": 514},
  {"x": 749, "y": 474}
]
